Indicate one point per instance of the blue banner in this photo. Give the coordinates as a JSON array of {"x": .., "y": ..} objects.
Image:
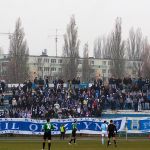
[
  {"x": 31, "y": 126},
  {"x": 85, "y": 125},
  {"x": 138, "y": 125}
]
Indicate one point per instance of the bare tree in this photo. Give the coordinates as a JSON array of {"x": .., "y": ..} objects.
[
  {"x": 145, "y": 59},
  {"x": 40, "y": 64},
  {"x": 134, "y": 48},
  {"x": 117, "y": 50},
  {"x": 102, "y": 47},
  {"x": 98, "y": 48},
  {"x": 18, "y": 70},
  {"x": 107, "y": 42},
  {"x": 86, "y": 69},
  {"x": 71, "y": 51}
]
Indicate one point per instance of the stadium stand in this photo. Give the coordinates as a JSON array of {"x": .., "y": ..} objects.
[{"x": 39, "y": 99}]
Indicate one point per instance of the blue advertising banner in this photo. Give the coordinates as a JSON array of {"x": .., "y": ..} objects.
[
  {"x": 138, "y": 125},
  {"x": 31, "y": 126}
]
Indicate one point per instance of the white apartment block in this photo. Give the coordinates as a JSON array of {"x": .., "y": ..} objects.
[{"x": 51, "y": 66}]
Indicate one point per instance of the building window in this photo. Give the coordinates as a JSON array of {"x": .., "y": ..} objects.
[
  {"x": 53, "y": 69},
  {"x": 109, "y": 71},
  {"x": 39, "y": 68},
  {"x": 46, "y": 60},
  {"x": 93, "y": 70},
  {"x": 39, "y": 60},
  {"x": 92, "y": 62},
  {"x": 103, "y": 70},
  {"x": 53, "y": 61},
  {"x": 79, "y": 61},
  {"x": 103, "y": 62},
  {"x": 60, "y": 69},
  {"x": 60, "y": 61},
  {"x": 4, "y": 72},
  {"x": 109, "y": 63},
  {"x": 4, "y": 64},
  {"x": 46, "y": 68}
]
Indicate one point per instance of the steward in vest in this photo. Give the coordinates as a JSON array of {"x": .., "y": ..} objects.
[{"x": 62, "y": 131}]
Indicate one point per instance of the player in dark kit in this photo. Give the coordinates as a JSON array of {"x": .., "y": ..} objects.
[
  {"x": 48, "y": 127},
  {"x": 74, "y": 130},
  {"x": 112, "y": 131}
]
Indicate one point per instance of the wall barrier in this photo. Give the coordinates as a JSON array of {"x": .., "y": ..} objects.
[{"x": 85, "y": 125}]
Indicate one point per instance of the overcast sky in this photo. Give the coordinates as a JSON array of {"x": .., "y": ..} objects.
[{"x": 40, "y": 18}]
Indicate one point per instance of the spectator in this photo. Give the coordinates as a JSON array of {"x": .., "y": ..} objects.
[{"x": 42, "y": 101}]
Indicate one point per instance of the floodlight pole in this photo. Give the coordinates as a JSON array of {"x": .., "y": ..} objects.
[{"x": 56, "y": 42}]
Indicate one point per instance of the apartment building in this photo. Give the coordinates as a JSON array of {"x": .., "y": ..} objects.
[
  {"x": 3, "y": 66},
  {"x": 51, "y": 66}
]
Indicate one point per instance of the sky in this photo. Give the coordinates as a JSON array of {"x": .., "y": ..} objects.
[{"x": 94, "y": 18}]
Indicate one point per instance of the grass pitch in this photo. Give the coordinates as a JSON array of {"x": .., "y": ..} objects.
[{"x": 81, "y": 145}]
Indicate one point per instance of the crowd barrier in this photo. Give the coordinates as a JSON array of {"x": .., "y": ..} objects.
[{"x": 85, "y": 125}]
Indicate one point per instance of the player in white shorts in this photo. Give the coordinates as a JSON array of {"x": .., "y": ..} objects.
[{"x": 104, "y": 133}]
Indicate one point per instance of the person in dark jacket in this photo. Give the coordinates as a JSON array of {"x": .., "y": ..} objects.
[{"x": 112, "y": 131}]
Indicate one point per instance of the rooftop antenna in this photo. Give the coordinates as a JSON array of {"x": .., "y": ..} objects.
[
  {"x": 56, "y": 39},
  {"x": 7, "y": 33}
]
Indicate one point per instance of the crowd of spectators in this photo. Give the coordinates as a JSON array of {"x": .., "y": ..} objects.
[{"x": 39, "y": 100}]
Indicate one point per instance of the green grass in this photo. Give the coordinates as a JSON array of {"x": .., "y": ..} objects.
[{"x": 81, "y": 145}]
